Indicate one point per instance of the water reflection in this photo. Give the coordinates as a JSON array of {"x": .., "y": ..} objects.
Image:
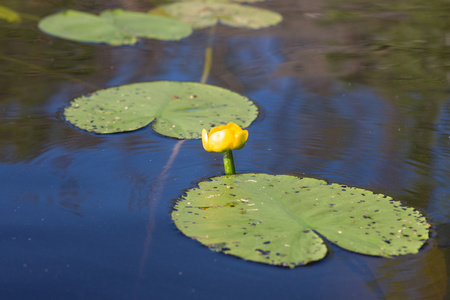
[
  {"x": 421, "y": 276},
  {"x": 71, "y": 175},
  {"x": 353, "y": 92}
]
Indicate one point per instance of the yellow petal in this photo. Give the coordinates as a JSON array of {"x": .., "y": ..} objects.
[
  {"x": 221, "y": 141},
  {"x": 224, "y": 138},
  {"x": 234, "y": 127},
  {"x": 240, "y": 141},
  {"x": 205, "y": 140},
  {"x": 216, "y": 129}
]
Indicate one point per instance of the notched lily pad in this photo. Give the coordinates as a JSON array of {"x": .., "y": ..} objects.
[
  {"x": 177, "y": 109},
  {"x": 114, "y": 27},
  {"x": 279, "y": 219},
  {"x": 203, "y": 14}
]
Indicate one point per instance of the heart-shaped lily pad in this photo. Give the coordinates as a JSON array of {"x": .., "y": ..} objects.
[
  {"x": 177, "y": 109},
  {"x": 281, "y": 219},
  {"x": 114, "y": 27},
  {"x": 202, "y": 14}
]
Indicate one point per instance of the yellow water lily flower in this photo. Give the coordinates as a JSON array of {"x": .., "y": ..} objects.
[{"x": 224, "y": 138}]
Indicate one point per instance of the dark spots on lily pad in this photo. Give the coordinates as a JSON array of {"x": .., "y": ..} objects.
[
  {"x": 262, "y": 252},
  {"x": 353, "y": 212}
]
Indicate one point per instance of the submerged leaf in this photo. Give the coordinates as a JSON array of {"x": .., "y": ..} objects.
[
  {"x": 203, "y": 14},
  {"x": 9, "y": 15},
  {"x": 177, "y": 109},
  {"x": 280, "y": 219},
  {"x": 114, "y": 27}
]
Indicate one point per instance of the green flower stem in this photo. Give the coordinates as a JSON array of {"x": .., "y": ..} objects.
[
  {"x": 228, "y": 163},
  {"x": 208, "y": 55}
]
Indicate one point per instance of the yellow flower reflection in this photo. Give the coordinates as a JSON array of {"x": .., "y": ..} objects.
[{"x": 224, "y": 138}]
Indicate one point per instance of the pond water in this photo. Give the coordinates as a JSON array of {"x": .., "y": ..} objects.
[{"x": 350, "y": 91}]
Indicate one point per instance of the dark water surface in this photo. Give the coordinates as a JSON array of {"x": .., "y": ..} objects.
[{"x": 350, "y": 92}]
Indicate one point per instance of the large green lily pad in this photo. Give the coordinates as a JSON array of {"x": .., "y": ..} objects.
[
  {"x": 281, "y": 219},
  {"x": 177, "y": 109},
  {"x": 114, "y": 27},
  {"x": 203, "y": 14}
]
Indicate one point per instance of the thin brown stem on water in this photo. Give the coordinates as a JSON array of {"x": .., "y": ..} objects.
[
  {"x": 160, "y": 181},
  {"x": 42, "y": 69}
]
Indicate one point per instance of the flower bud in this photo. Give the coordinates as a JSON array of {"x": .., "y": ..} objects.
[{"x": 224, "y": 138}]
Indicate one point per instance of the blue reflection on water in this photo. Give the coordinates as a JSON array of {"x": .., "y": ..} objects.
[
  {"x": 439, "y": 206},
  {"x": 87, "y": 216}
]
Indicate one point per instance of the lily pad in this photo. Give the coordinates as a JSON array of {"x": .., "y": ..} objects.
[
  {"x": 177, "y": 109},
  {"x": 203, "y": 14},
  {"x": 9, "y": 15},
  {"x": 282, "y": 220},
  {"x": 114, "y": 27}
]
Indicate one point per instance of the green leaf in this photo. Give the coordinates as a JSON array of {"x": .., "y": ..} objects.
[
  {"x": 203, "y": 14},
  {"x": 177, "y": 109},
  {"x": 114, "y": 27},
  {"x": 280, "y": 219},
  {"x": 9, "y": 15}
]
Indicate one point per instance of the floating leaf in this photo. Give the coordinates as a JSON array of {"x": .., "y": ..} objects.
[
  {"x": 280, "y": 219},
  {"x": 114, "y": 27},
  {"x": 203, "y": 14},
  {"x": 177, "y": 109},
  {"x": 9, "y": 15}
]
